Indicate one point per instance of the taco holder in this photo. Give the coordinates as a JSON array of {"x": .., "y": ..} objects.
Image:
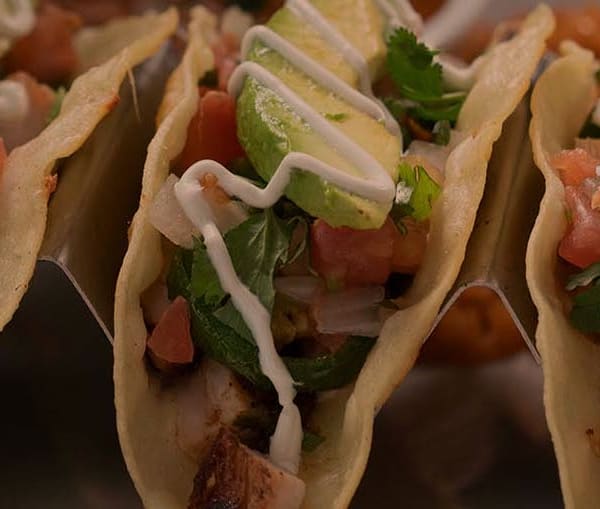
[
  {"x": 90, "y": 212},
  {"x": 495, "y": 256}
]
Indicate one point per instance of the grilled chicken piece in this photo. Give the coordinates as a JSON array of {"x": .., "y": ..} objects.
[
  {"x": 213, "y": 398},
  {"x": 235, "y": 477}
]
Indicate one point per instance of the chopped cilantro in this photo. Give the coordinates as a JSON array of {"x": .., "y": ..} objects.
[
  {"x": 310, "y": 441},
  {"x": 336, "y": 117},
  {"x": 412, "y": 68},
  {"x": 585, "y": 314},
  {"x": 425, "y": 190},
  {"x": 59, "y": 96},
  {"x": 257, "y": 247},
  {"x": 418, "y": 78}
]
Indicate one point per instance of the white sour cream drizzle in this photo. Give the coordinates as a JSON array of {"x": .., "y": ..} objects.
[
  {"x": 17, "y": 18},
  {"x": 375, "y": 184},
  {"x": 14, "y": 102}
]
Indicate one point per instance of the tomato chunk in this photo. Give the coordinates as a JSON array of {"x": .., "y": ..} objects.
[
  {"x": 409, "y": 248},
  {"x": 574, "y": 166},
  {"x": 212, "y": 133},
  {"x": 171, "y": 340},
  {"x": 345, "y": 257},
  {"x": 47, "y": 52},
  {"x": 581, "y": 244}
]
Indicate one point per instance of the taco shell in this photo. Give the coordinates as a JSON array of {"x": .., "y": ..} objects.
[
  {"x": 28, "y": 177},
  {"x": 561, "y": 102},
  {"x": 146, "y": 410}
]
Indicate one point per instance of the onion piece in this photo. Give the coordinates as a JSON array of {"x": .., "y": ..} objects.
[
  {"x": 354, "y": 311},
  {"x": 301, "y": 288},
  {"x": 167, "y": 216},
  {"x": 435, "y": 155}
]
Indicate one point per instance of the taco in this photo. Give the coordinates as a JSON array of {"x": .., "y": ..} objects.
[
  {"x": 326, "y": 265},
  {"x": 102, "y": 56},
  {"x": 562, "y": 265}
]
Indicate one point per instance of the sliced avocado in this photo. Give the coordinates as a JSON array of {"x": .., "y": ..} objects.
[{"x": 269, "y": 129}]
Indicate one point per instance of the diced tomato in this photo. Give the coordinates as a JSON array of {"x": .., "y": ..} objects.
[
  {"x": 409, "y": 248},
  {"x": 171, "y": 341},
  {"x": 574, "y": 166},
  {"x": 581, "y": 244},
  {"x": 40, "y": 98},
  {"x": 344, "y": 256},
  {"x": 212, "y": 133},
  {"x": 47, "y": 52}
]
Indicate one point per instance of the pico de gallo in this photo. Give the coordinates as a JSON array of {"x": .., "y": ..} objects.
[{"x": 579, "y": 170}]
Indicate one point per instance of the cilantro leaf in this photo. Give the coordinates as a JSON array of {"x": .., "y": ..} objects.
[
  {"x": 419, "y": 79},
  {"x": 310, "y": 441},
  {"x": 59, "y": 97},
  {"x": 257, "y": 247},
  {"x": 424, "y": 190},
  {"x": 585, "y": 277},
  {"x": 585, "y": 314},
  {"x": 412, "y": 68}
]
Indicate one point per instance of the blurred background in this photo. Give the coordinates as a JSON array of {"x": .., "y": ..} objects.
[{"x": 465, "y": 430}]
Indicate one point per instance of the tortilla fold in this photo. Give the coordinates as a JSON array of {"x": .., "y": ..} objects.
[
  {"x": 26, "y": 183},
  {"x": 146, "y": 410},
  {"x": 561, "y": 101}
]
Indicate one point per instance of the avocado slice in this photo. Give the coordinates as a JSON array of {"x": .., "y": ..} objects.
[{"x": 269, "y": 129}]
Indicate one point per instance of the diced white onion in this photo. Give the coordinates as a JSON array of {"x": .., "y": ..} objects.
[
  {"x": 352, "y": 311},
  {"x": 301, "y": 288},
  {"x": 236, "y": 22},
  {"x": 167, "y": 216}
]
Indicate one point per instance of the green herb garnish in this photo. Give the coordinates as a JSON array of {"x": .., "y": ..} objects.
[
  {"x": 257, "y": 247},
  {"x": 59, "y": 97},
  {"x": 585, "y": 314},
  {"x": 336, "y": 117},
  {"x": 411, "y": 66},
  {"x": 310, "y": 441},
  {"x": 222, "y": 343},
  {"x": 425, "y": 191}
]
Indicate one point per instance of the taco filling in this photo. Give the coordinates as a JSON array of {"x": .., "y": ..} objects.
[
  {"x": 36, "y": 53},
  {"x": 302, "y": 219},
  {"x": 579, "y": 171}
]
